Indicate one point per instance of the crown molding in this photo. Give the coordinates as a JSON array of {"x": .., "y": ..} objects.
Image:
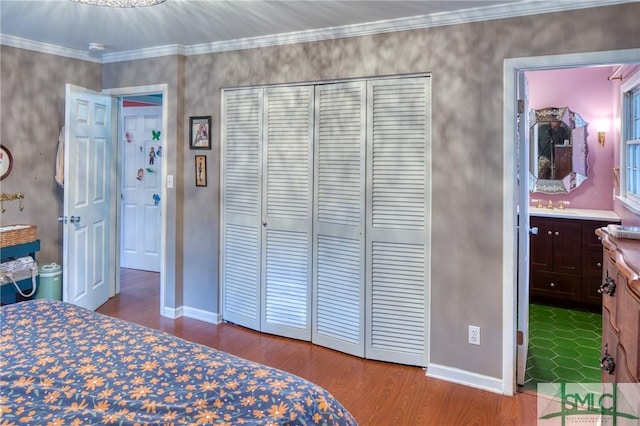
[
  {"x": 52, "y": 49},
  {"x": 152, "y": 52},
  {"x": 514, "y": 9}
]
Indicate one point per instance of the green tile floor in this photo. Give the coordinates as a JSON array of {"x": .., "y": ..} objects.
[{"x": 564, "y": 346}]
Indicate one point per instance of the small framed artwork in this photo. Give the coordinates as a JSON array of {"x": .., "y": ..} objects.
[
  {"x": 6, "y": 162},
  {"x": 200, "y": 132},
  {"x": 201, "y": 170}
]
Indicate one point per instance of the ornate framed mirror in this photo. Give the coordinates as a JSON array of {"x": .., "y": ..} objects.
[{"x": 558, "y": 150}]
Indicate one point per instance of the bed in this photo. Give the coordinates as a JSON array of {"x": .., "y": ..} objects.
[{"x": 65, "y": 365}]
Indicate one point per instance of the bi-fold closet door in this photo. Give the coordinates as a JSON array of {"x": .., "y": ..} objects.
[
  {"x": 267, "y": 161},
  {"x": 325, "y": 214},
  {"x": 339, "y": 217}
]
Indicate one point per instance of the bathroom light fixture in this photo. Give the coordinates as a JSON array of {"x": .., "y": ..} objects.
[
  {"x": 121, "y": 3},
  {"x": 602, "y": 126},
  {"x": 601, "y": 138}
]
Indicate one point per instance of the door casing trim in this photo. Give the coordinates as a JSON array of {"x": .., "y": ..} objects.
[
  {"x": 115, "y": 230},
  {"x": 510, "y": 232}
]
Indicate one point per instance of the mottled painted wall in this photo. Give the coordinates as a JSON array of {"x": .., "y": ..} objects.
[
  {"x": 32, "y": 92},
  {"x": 466, "y": 64}
]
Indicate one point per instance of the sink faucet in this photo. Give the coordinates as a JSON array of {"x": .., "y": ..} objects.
[
  {"x": 550, "y": 205},
  {"x": 562, "y": 204}
]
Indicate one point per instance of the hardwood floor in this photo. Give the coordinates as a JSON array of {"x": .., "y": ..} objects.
[{"x": 376, "y": 393}]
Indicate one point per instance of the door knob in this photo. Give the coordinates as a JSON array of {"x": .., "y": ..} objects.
[
  {"x": 533, "y": 231},
  {"x": 74, "y": 219},
  {"x": 62, "y": 219}
]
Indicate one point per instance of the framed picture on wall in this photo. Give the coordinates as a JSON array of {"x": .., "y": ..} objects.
[
  {"x": 6, "y": 162},
  {"x": 200, "y": 132},
  {"x": 201, "y": 170}
]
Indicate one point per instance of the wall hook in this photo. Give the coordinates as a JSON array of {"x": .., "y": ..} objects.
[{"x": 11, "y": 197}]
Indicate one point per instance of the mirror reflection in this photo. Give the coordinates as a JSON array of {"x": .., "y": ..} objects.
[
  {"x": 554, "y": 145},
  {"x": 558, "y": 143}
]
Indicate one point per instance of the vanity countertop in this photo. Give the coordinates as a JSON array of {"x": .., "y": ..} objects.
[{"x": 567, "y": 213}]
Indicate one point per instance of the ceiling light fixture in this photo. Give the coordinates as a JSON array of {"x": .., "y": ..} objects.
[{"x": 121, "y": 3}]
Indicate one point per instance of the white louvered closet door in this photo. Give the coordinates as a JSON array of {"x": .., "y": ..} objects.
[
  {"x": 339, "y": 197},
  {"x": 398, "y": 219},
  {"x": 287, "y": 211},
  {"x": 241, "y": 206}
]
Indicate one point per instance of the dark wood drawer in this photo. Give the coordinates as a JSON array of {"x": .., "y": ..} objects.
[
  {"x": 590, "y": 241},
  {"x": 592, "y": 263},
  {"x": 557, "y": 286},
  {"x": 589, "y": 291}
]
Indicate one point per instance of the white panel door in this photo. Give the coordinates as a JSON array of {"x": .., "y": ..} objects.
[
  {"x": 523, "y": 228},
  {"x": 398, "y": 219},
  {"x": 140, "y": 193},
  {"x": 287, "y": 211},
  {"x": 86, "y": 197},
  {"x": 339, "y": 212},
  {"x": 241, "y": 206}
]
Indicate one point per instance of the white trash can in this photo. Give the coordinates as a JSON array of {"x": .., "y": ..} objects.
[{"x": 50, "y": 282}]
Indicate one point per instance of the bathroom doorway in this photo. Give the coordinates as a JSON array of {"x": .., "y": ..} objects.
[
  {"x": 516, "y": 207},
  {"x": 565, "y": 324}
]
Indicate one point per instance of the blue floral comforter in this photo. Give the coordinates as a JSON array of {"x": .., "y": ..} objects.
[{"x": 64, "y": 365}]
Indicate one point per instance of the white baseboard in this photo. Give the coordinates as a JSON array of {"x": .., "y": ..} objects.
[
  {"x": 195, "y": 313},
  {"x": 199, "y": 314},
  {"x": 172, "y": 313},
  {"x": 464, "y": 377}
]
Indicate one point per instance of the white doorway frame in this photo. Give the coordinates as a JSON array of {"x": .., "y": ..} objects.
[
  {"x": 510, "y": 233},
  {"x": 115, "y": 230}
]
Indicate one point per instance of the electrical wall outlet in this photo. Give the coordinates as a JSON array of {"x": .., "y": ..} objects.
[{"x": 474, "y": 335}]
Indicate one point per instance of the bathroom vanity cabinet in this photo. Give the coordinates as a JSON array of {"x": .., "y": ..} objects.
[
  {"x": 620, "y": 287},
  {"x": 566, "y": 261}
]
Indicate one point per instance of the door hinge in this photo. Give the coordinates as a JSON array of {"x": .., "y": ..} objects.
[
  {"x": 519, "y": 338},
  {"x": 520, "y": 106}
]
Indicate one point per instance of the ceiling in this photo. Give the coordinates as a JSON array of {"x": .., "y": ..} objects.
[{"x": 214, "y": 24}]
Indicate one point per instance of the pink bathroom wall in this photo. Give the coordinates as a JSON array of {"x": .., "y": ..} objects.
[{"x": 587, "y": 92}]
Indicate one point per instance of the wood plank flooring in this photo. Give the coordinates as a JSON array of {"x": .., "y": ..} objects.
[{"x": 376, "y": 393}]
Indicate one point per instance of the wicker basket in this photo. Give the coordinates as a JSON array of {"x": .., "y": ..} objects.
[{"x": 12, "y": 235}]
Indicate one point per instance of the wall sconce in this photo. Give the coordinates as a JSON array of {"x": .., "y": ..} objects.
[
  {"x": 601, "y": 138},
  {"x": 601, "y": 125}
]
